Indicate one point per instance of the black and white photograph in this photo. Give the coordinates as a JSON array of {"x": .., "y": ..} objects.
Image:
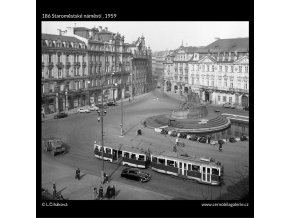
[
  {"x": 149, "y": 115},
  {"x": 136, "y": 116}
]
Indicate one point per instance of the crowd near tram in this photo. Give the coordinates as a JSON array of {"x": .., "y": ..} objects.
[{"x": 203, "y": 170}]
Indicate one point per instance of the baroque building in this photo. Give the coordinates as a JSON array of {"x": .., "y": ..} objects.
[
  {"x": 219, "y": 72},
  {"x": 76, "y": 67},
  {"x": 64, "y": 72}
]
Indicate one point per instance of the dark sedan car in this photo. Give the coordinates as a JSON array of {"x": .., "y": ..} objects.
[
  {"x": 60, "y": 115},
  {"x": 135, "y": 174},
  {"x": 111, "y": 103}
]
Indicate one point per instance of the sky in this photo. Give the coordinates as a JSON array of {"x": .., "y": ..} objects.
[{"x": 163, "y": 35}]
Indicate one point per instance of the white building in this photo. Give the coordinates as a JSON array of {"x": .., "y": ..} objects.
[{"x": 219, "y": 72}]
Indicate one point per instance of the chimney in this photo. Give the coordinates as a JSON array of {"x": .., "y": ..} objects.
[
  {"x": 100, "y": 27},
  {"x": 106, "y": 28},
  {"x": 59, "y": 32}
]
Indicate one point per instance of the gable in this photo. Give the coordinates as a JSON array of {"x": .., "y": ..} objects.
[
  {"x": 242, "y": 60},
  {"x": 206, "y": 59}
]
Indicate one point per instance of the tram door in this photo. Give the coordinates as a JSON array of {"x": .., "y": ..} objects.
[
  {"x": 119, "y": 154},
  {"x": 115, "y": 155},
  {"x": 206, "y": 174},
  {"x": 180, "y": 171}
]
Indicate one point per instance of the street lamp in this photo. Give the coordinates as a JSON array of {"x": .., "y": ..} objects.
[{"x": 122, "y": 86}]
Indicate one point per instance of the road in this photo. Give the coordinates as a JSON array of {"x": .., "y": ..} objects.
[{"x": 79, "y": 131}]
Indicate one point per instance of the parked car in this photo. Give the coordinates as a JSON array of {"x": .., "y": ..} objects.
[
  {"x": 164, "y": 132},
  {"x": 94, "y": 108},
  {"x": 229, "y": 105},
  {"x": 246, "y": 108},
  {"x": 111, "y": 103},
  {"x": 172, "y": 133},
  {"x": 135, "y": 174},
  {"x": 83, "y": 110},
  {"x": 60, "y": 115}
]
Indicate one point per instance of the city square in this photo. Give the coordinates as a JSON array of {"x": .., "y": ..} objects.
[{"x": 81, "y": 74}]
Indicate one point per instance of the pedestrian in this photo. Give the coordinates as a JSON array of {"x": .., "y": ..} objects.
[
  {"x": 98, "y": 119},
  {"x": 177, "y": 141},
  {"x": 108, "y": 192},
  {"x": 129, "y": 100},
  {"x": 95, "y": 194},
  {"x": 145, "y": 124},
  {"x": 54, "y": 193},
  {"x": 101, "y": 193},
  {"x": 113, "y": 191}
]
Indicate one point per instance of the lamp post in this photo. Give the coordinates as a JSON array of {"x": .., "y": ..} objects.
[
  {"x": 66, "y": 100},
  {"x": 121, "y": 125}
]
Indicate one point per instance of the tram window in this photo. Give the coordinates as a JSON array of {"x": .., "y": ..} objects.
[
  {"x": 97, "y": 148},
  {"x": 180, "y": 165},
  {"x": 154, "y": 159},
  {"x": 215, "y": 171},
  {"x": 170, "y": 163},
  {"x": 108, "y": 150},
  {"x": 133, "y": 156},
  {"x": 184, "y": 166},
  {"x": 208, "y": 170},
  {"x": 195, "y": 168},
  {"x": 126, "y": 154},
  {"x": 189, "y": 167},
  {"x": 141, "y": 157},
  {"x": 161, "y": 161}
]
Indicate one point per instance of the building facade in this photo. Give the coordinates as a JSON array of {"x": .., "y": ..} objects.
[
  {"x": 64, "y": 73},
  {"x": 219, "y": 72},
  {"x": 76, "y": 67}
]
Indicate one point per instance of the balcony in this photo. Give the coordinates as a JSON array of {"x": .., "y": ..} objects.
[
  {"x": 50, "y": 65},
  {"x": 59, "y": 65},
  {"x": 67, "y": 64},
  {"x": 77, "y": 64}
]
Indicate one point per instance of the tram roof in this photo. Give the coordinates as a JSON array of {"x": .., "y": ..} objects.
[
  {"x": 175, "y": 155},
  {"x": 124, "y": 147}
]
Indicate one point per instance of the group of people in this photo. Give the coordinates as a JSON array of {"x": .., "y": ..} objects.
[{"x": 110, "y": 192}]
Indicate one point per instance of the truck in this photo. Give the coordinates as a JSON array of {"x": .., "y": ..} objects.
[{"x": 53, "y": 145}]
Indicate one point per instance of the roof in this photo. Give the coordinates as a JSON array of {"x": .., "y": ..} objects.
[
  {"x": 81, "y": 28},
  {"x": 62, "y": 38},
  {"x": 235, "y": 44}
]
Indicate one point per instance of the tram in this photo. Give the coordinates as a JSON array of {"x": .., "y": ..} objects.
[
  {"x": 126, "y": 156},
  {"x": 202, "y": 170}
]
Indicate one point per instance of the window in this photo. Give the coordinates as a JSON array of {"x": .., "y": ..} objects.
[
  {"x": 108, "y": 150},
  {"x": 170, "y": 163},
  {"x": 126, "y": 154},
  {"x": 225, "y": 84},
  {"x": 221, "y": 68},
  {"x": 232, "y": 69},
  {"x": 215, "y": 171},
  {"x": 225, "y": 99},
  {"x": 226, "y": 68},
  {"x": 195, "y": 168},
  {"x": 59, "y": 73},
  {"x": 141, "y": 157},
  {"x": 219, "y": 98},
  {"x": 240, "y": 69},
  {"x": 189, "y": 167},
  {"x": 246, "y": 69},
  {"x": 161, "y": 161},
  {"x": 230, "y": 99},
  {"x": 246, "y": 85},
  {"x": 133, "y": 156},
  {"x": 154, "y": 159}
]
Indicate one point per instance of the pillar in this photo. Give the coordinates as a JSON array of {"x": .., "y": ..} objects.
[
  {"x": 56, "y": 103},
  {"x": 123, "y": 93},
  {"x": 66, "y": 101}
]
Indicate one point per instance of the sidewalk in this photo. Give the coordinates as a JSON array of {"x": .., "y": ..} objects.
[
  {"x": 74, "y": 110},
  {"x": 73, "y": 189}
]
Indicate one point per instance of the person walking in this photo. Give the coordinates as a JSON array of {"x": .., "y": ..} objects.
[
  {"x": 101, "y": 193},
  {"x": 95, "y": 194},
  {"x": 108, "y": 192},
  {"x": 113, "y": 191},
  {"x": 54, "y": 193}
]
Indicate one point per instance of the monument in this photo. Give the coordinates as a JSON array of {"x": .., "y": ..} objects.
[{"x": 191, "y": 108}]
